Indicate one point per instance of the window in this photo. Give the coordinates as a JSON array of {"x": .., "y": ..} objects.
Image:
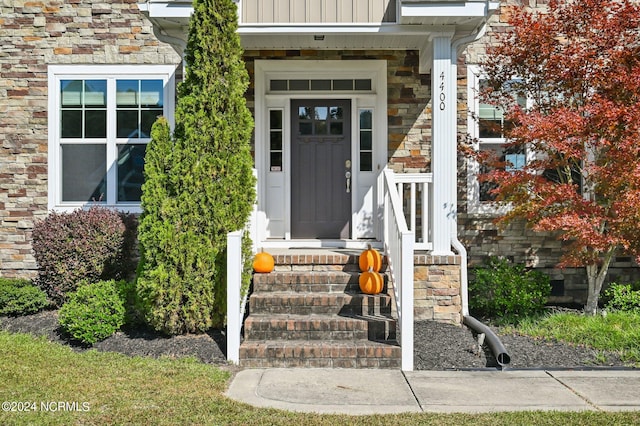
[
  {"x": 100, "y": 120},
  {"x": 366, "y": 140},
  {"x": 486, "y": 126},
  {"x": 336, "y": 85},
  {"x": 276, "y": 140}
]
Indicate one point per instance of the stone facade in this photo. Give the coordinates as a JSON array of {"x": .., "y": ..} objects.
[
  {"x": 436, "y": 288},
  {"x": 33, "y": 35}
]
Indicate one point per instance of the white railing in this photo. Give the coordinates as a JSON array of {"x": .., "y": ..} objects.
[
  {"x": 399, "y": 244},
  {"x": 418, "y": 187},
  {"x": 234, "y": 296},
  {"x": 236, "y": 301}
]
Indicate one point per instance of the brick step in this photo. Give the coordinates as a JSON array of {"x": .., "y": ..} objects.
[
  {"x": 327, "y": 354},
  {"x": 319, "y": 262},
  {"x": 319, "y": 303},
  {"x": 309, "y": 281},
  {"x": 316, "y": 259},
  {"x": 318, "y": 327}
]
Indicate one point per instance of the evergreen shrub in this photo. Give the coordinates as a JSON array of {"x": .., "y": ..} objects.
[
  {"x": 94, "y": 244},
  {"x": 20, "y": 297},
  {"x": 199, "y": 183},
  {"x": 94, "y": 312},
  {"x": 623, "y": 297},
  {"x": 505, "y": 292}
]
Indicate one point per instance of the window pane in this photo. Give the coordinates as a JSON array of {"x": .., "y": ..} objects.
[
  {"x": 95, "y": 123},
  {"x": 127, "y": 123},
  {"x": 278, "y": 85},
  {"x": 84, "y": 170},
  {"x": 276, "y": 141},
  {"x": 320, "y": 84},
  {"x": 275, "y": 119},
  {"x": 366, "y": 162},
  {"x": 95, "y": 93},
  {"x": 71, "y": 93},
  {"x": 71, "y": 123},
  {"x": 490, "y": 128},
  {"x": 127, "y": 93},
  {"x": 304, "y": 113},
  {"x": 365, "y": 140},
  {"x": 306, "y": 129},
  {"x": 342, "y": 84},
  {"x": 298, "y": 84},
  {"x": 336, "y": 113},
  {"x": 130, "y": 171},
  {"x": 320, "y": 127},
  {"x": 336, "y": 128},
  {"x": 148, "y": 118},
  {"x": 363, "y": 84},
  {"x": 321, "y": 113},
  {"x": 151, "y": 94},
  {"x": 276, "y": 162},
  {"x": 366, "y": 119}
]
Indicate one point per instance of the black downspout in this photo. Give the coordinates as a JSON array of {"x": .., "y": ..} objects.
[{"x": 497, "y": 348}]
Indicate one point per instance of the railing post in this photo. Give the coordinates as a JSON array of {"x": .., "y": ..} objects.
[
  {"x": 406, "y": 324},
  {"x": 234, "y": 283}
]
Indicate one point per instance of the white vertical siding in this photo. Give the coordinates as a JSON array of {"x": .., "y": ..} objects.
[{"x": 317, "y": 11}]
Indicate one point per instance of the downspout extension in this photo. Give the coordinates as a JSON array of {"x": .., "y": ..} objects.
[{"x": 493, "y": 342}]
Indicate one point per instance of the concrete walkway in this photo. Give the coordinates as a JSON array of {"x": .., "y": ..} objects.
[{"x": 391, "y": 391}]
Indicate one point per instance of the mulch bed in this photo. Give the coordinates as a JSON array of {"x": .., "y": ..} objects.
[{"x": 437, "y": 346}]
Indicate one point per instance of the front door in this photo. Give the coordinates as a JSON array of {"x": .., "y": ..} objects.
[{"x": 321, "y": 169}]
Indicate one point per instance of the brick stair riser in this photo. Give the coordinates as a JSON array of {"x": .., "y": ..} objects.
[
  {"x": 309, "y": 282},
  {"x": 328, "y": 328},
  {"x": 317, "y": 303},
  {"x": 324, "y": 328},
  {"x": 314, "y": 354}
]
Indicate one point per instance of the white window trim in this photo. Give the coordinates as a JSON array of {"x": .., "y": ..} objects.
[
  {"x": 474, "y": 205},
  {"x": 56, "y": 73}
]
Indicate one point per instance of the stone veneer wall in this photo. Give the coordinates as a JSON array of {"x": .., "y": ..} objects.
[
  {"x": 483, "y": 238},
  {"x": 437, "y": 288},
  {"x": 408, "y": 92},
  {"x": 34, "y": 34}
]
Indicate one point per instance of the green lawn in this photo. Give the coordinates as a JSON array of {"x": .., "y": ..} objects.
[{"x": 118, "y": 389}]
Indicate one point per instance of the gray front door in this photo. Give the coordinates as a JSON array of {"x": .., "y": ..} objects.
[{"x": 321, "y": 162}]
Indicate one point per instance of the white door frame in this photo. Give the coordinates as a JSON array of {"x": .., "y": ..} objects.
[{"x": 274, "y": 189}]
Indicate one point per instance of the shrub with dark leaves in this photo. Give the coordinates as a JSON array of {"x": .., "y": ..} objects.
[{"x": 92, "y": 245}]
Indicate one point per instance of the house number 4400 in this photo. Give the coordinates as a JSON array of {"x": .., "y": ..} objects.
[{"x": 443, "y": 96}]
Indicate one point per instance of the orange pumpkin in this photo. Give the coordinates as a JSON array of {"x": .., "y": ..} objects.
[
  {"x": 263, "y": 262},
  {"x": 370, "y": 258},
  {"x": 371, "y": 282}
]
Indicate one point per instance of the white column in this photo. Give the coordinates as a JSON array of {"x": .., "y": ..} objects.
[{"x": 443, "y": 143}]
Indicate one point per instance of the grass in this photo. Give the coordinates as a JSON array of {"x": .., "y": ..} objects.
[
  {"x": 124, "y": 390},
  {"x": 617, "y": 331}
]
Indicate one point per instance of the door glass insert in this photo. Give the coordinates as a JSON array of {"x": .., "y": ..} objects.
[
  {"x": 366, "y": 140},
  {"x": 275, "y": 140}
]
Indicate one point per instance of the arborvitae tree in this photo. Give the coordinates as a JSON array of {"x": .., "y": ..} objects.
[{"x": 199, "y": 184}]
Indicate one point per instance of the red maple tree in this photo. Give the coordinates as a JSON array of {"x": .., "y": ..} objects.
[{"x": 578, "y": 62}]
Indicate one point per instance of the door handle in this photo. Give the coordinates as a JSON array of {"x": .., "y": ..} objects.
[{"x": 348, "y": 176}]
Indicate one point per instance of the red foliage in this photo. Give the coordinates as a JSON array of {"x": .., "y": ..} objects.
[{"x": 579, "y": 62}]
